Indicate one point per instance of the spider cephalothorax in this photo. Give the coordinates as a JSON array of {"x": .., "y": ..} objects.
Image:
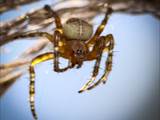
[
  {"x": 74, "y": 41},
  {"x": 80, "y": 50}
]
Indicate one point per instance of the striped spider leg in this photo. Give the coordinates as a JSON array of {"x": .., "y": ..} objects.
[
  {"x": 103, "y": 43},
  {"x": 93, "y": 41}
]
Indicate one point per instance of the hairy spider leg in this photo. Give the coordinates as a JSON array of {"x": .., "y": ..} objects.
[
  {"x": 29, "y": 34},
  {"x": 97, "y": 51},
  {"x": 57, "y": 36},
  {"x": 108, "y": 65},
  {"x": 55, "y": 15},
  {"x": 35, "y": 61},
  {"x": 38, "y": 59},
  {"x": 101, "y": 26},
  {"x": 95, "y": 73}
]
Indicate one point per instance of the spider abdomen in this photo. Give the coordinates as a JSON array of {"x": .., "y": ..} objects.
[{"x": 77, "y": 29}]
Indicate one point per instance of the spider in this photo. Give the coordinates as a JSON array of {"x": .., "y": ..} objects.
[{"x": 74, "y": 41}]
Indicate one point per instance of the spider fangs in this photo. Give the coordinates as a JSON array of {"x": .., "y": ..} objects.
[{"x": 73, "y": 41}]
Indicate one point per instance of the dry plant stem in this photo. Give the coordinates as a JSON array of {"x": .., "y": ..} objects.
[
  {"x": 24, "y": 57},
  {"x": 9, "y": 77},
  {"x": 125, "y": 6},
  {"x": 40, "y": 45},
  {"x": 5, "y": 37},
  {"x": 22, "y": 61},
  {"x": 7, "y": 81},
  {"x": 13, "y": 64},
  {"x": 6, "y": 5},
  {"x": 5, "y": 71}
]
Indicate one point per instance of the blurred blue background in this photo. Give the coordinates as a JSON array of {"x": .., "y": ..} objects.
[{"x": 132, "y": 91}]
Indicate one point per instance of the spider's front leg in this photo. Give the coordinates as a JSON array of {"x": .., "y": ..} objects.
[
  {"x": 56, "y": 40},
  {"x": 99, "y": 46},
  {"x": 95, "y": 54},
  {"x": 57, "y": 37},
  {"x": 103, "y": 43},
  {"x": 108, "y": 65},
  {"x": 101, "y": 26},
  {"x": 95, "y": 73}
]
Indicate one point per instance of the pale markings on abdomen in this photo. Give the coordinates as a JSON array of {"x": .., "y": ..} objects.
[{"x": 80, "y": 29}]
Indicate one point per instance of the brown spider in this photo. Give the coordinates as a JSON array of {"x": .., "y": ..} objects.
[{"x": 74, "y": 41}]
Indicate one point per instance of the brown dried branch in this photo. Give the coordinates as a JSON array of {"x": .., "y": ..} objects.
[
  {"x": 11, "y": 71},
  {"x": 10, "y": 80},
  {"x": 39, "y": 20},
  {"x": 6, "y": 5},
  {"x": 23, "y": 59}
]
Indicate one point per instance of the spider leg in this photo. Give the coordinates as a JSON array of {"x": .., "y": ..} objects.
[
  {"x": 101, "y": 26},
  {"x": 55, "y": 15},
  {"x": 35, "y": 61},
  {"x": 105, "y": 75},
  {"x": 97, "y": 51},
  {"x": 38, "y": 59},
  {"x": 57, "y": 36},
  {"x": 108, "y": 65},
  {"x": 95, "y": 73},
  {"x": 28, "y": 34}
]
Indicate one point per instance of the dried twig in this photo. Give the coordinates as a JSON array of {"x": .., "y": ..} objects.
[
  {"x": 6, "y": 5},
  {"x": 23, "y": 59}
]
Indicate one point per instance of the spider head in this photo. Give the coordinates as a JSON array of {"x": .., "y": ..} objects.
[{"x": 79, "y": 50}]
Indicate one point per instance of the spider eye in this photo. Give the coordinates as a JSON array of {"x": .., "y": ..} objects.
[{"x": 79, "y": 52}]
